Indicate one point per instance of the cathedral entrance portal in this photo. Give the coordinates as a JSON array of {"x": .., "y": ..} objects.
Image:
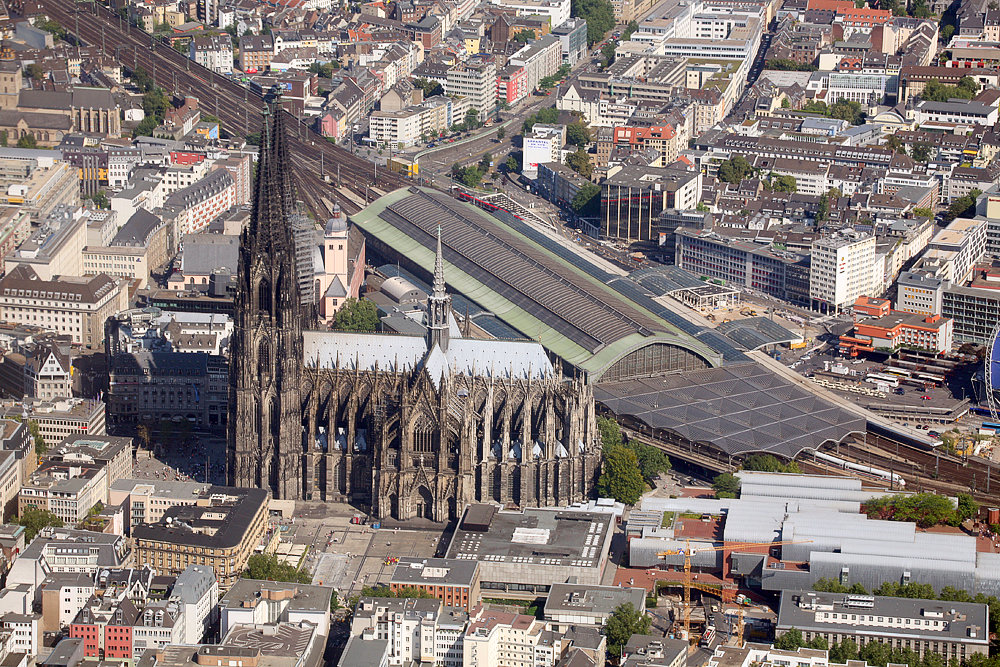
[{"x": 425, "y": 504}]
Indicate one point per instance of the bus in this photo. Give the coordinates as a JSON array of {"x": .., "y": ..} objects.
[
  {"x": 937, "y": 380},
  {"x": 976, "y": 410},
  {"x": 878, "y": 378},
  {"x": 708, "y": 637},
  {"x": 901, "y": 372}
]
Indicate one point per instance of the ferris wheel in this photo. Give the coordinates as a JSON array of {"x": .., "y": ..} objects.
[{"x": 992, "y": 371}]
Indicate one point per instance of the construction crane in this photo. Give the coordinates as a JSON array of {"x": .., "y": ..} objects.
[{"x": 686, "y": 582}]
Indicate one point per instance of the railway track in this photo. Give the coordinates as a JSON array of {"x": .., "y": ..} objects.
[
  {"x": 927, "y": 470},
  {"x": 319, "y": 165}
]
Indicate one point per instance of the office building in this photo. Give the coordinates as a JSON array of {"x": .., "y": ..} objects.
[
  {"x": 221, "y": 530},
  {"x": 454, "y": 582},
  {"x": 521, "y": 554},
  {"x": 59, "y": 419},
  {"x": 633, "y": 197},
  {"x": 59, "y": 550},
  {"x": 68, "y": 490},
  {"x": 146, "y": 500},
  {"x": 840, "y": 270},
  {"x": 114, "y": 453},
  {"x": 75, "y": 306},
  {"x": 571, "y": 604},
  {"x": 475, "y": 80},
  {"x": 953, "y": 630},
  {"x": 780, "y": 273},
  {"x": 543, "y": 145}
]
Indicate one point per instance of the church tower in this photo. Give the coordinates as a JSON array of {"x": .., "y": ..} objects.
[
  {"x": 438, "y": 305},
  {"x": 265, "y": 442}
]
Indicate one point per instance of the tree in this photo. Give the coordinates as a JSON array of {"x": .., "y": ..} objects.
[
  {"x": 3, "y": 138},
  {"x": 607, "y": 54},
  {"x": 923, "y": 509},
  {"x": 34, "y": 71},
  {"x": 947, "y": 32},
  {"x": 501, "y": 133},
  {"x": 325, "y": 70},
  {"x": 726, "y": 485},
  {"x": 791, "y": 640},
  {"x": 523, "y": 36},
  {"x": 383, "y": 591},
  {"x": 599, "y": 15},
  {"x": 896, "y": 144},
  {"x": 848, "y": 110},
  {"x": 587, "y": 200},
  {"x": 34, "y": 519},
  {"x": 269, "y": 568},
  {"x": 430, "y": 88},
  {"x": 768, "y": 463},
  {"x": 784, "y": 183},
  {"x": 790, "y": 65},
  {"x": 511, "y": 164},
  {"x": 624, "y": 622},
  {"x": 823, "y": 208},
  {"x": 579, "y": 161},
  {"x": 577, "y": 134},
  {"x": 652, "y": 461},
  {"x": 967, "y": 508},
  {"x": 629, "y": 29},
  {"x": 356, "y": 315},
  {"x": 471, "y": 119},
  {"x": 485, "y": 162},
  {"x": 611, "y": 433},
  {"x": 923, "y": 212},
  {"x": 100, "y": 200},
  {"x": 963, "y": 206},
  {"x": 620, "y": 476},
  {"x": 844, "y": 651},
  {"x": 921, "y": 152},
  {"x": 935, "y": 91},
  {"x": 785, "y": 103},
  {"x": 27, "y": 141},
  {"x": 735, "y": 169}
]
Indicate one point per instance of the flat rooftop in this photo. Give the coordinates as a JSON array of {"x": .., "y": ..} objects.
[
  {"x": 285, "y": 640},
  {"x": 247, "y": 593},
  {"x": 574, "y": 598},
  {"x": 536, "y": 537},
  {"x": 434, "y": 571}
]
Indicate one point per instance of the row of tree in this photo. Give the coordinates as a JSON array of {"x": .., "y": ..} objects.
[
  {"x": 923, "y": 509},
  {"x": 629, "y": 467}
]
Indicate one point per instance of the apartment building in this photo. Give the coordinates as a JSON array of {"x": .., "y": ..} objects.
[
  {"x": 256, "y": 52},
  {"x": 214, "y": 52},
  {"x": 841, "y": 270},
  {"x": 954, "y": 251},
  {"x": 68, "y": 490},
  {"x": 203, "y": 202},
  {"x": 539, "y": 57},
  {"x": 221, "y": 530},
  {"x": 408, "y": 126},
  {"x": 476, "y": 80},
  {"x": 417, "y": 630},
  {"x": 48, "y": 372},
  {"x": 75, "y": 306},
  {"x": 954, "y": 630},
  {"x": 255, "y": 602},
  {"x": 557, "y": 11},
  {"x": 64, "y": 550}
]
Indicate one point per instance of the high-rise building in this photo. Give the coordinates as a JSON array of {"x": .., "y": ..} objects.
[
  {"x": 475, "y": 80},
  {"x": 841, "y": 270}
]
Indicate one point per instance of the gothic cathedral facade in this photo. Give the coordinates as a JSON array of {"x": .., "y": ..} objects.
[{"x": 403, "y": 426}]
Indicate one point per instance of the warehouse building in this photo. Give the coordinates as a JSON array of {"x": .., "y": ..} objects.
[{"x": 830, "y": 538}]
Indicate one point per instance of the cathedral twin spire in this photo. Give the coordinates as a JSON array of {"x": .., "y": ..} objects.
[{"x": 439, "y": 304}]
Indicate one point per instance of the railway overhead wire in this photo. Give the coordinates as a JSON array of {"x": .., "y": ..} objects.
[{"x": 320, "y": 166}]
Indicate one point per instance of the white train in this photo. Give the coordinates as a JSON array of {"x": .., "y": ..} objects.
[{"x": 868, "y": 470}]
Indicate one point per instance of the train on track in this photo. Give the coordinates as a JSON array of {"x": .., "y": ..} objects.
[{"x": 871, "y": 471}]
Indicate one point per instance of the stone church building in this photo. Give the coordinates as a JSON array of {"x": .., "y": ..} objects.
[{"x": 406, "y": 426}]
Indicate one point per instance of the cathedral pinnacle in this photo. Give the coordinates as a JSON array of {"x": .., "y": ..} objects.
[{"x": 439, "y": 288}]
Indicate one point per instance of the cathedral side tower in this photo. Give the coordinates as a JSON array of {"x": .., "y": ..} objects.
[{"x": 265, "y": 372}]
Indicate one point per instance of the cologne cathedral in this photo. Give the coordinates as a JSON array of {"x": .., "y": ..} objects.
[{"x": 405, "y": 426}]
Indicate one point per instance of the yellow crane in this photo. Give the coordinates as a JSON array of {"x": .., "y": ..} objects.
[{"x": 686, "y": 582}]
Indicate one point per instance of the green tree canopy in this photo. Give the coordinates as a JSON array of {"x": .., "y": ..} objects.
[
  {"x": 624, "y": 622},
  {"x": 611, "y": 432},
  {"x": 356, "y": 315},
  {"x": 784, "y": 183},
  {"x": 579, "y": 161},
  {"x": 964, "y": 206},
  {"x": 735, "y": 169},
  {"x": 923, "y": 509},
  {"x": 935, "y": 91},
  {"x": 599, "y": 15},
  {"x": 523, "y": 36},
  {"x": 921, "y": 152},
  {"x": 967, "y": 508},
  {"x": 269, "y": 568},
  {"x": 726, "y": 485},
  {"x": 577, "y": 134},
  {"x": 430, "y": 88},
  {"x": 34, "y": 519},
  {"x": 325, "y": 70},
  {"x": 27, "y": 141},
  {"x": 620, "y": 476},
  {"x": 587, "y": 200},
  {"x": 34, "y": 71},
  {"x": 383, "y": 591},
  {"x": 768, "y": 463},
  {"x": 790, "y": 65}
]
